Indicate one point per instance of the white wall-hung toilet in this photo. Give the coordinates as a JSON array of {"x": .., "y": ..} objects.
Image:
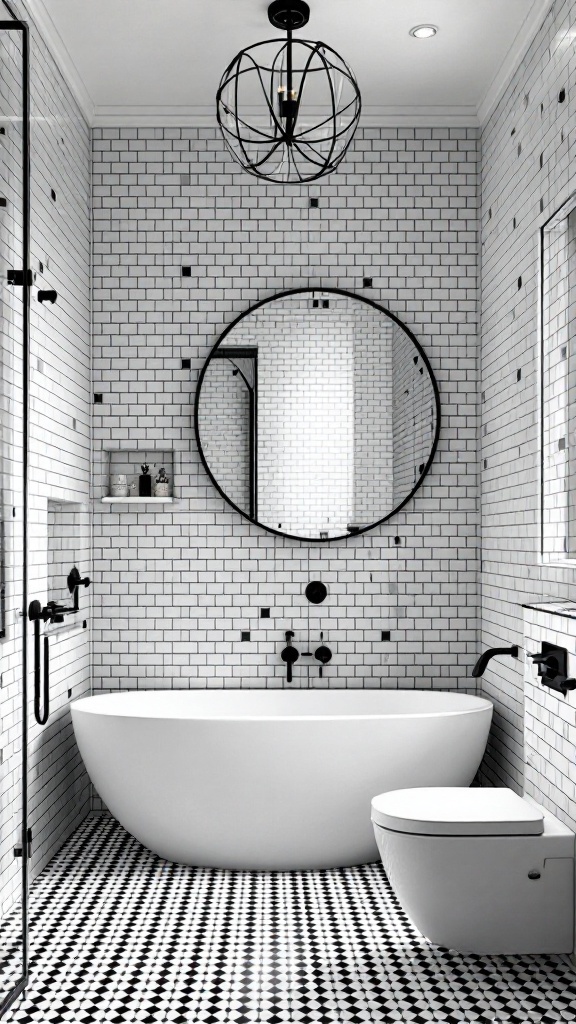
[{"x": 479, "y": 870}]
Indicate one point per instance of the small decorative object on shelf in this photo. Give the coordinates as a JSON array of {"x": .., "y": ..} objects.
[
  {"x": 118, "y": 485},
  {"x": 145, "y": 482},
  {"x": 162, "y": 485}
]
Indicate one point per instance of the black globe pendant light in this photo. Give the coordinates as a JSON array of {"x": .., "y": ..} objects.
[{"x": 288, "y": 108}]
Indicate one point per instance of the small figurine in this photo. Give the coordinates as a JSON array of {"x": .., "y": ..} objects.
[
  {"x": 145, "y": 482},
  {"x": 162, "y": 486}
]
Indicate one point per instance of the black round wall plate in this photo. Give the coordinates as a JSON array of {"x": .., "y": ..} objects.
[{"x": 316, "y": 592}]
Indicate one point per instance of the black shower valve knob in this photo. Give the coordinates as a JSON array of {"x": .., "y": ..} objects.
[
  {"x": 48, "y": 295},
  {"x": 323, "y": 654}
]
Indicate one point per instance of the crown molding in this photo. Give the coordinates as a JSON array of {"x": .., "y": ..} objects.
[
  {"x": 460, "y": 116},
  {"x": 513, "y": 59},
  {"x": 40, "y": 16},
  {"x": 205, "y": 117}
]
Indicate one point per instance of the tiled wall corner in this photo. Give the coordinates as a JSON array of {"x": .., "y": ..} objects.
[{"x": 527, "y": 173}]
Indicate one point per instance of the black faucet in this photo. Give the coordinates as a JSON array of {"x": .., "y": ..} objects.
[
  {"x": 494, "y": 652},
  {"x": 552, "y": 665},
  {"x": 289, "y": 655},
  {"x": 323, "y": 654}
]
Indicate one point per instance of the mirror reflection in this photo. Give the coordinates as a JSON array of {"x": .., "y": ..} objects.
[{"x": 317, "y": 414}]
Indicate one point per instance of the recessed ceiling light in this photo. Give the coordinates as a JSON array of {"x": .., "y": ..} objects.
[{"x": 423, "y": 31}]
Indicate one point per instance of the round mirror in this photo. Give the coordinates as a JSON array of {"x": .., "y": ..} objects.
[{"x": 317, "y": 414}]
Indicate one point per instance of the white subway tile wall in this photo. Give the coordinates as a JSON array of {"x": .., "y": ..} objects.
[
  {"x": 527, "y": 174},
  {"x": 59, "y": 795},
  {"x": 175, "y": 590}
]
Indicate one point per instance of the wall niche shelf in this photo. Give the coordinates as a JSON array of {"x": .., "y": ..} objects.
[
  {"x": 129, "y": 462},
  {"x": 136, "y": 500}
]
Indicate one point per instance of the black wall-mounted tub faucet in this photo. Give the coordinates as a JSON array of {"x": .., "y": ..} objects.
[
  {"x": 289, "y": 655},
  {"x": 493, "y": 652}
]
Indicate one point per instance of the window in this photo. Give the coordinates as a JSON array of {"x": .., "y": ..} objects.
[{"x": 558, "y": 385}]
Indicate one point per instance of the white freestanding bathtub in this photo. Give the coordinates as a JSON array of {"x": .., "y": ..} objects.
[{"x": 271, "y": 779}]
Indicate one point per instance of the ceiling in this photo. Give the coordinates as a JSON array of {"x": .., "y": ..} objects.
[{"x": 154, "y": 62}]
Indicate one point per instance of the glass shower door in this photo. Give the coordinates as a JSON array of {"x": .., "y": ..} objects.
[{"x": 14, "y": 335}]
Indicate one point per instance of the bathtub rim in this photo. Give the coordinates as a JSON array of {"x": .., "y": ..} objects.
[{"x": 473, "y": 705}]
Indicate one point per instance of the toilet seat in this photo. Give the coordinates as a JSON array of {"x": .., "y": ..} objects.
[{"x": 457, "y": 811}]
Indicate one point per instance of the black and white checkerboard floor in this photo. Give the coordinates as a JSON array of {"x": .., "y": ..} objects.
[{"x": 118, "y": 935}]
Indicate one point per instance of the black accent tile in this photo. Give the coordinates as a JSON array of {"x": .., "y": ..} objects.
[
  {"x": 186, "y": 364},
  {"x": 385, "y": 634},
  {"x": 98, "y": 398},
  {"x": 561, "y": 95},
  {"x": 245, "y": 635},
  {"x": 186, "y": 271},
  {"x": 314, "y": 202},
  {"x": 367, "y": 282},
  {"x": 264, "y": 613}
]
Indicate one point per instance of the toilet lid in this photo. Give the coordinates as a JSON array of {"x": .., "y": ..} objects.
[{"x": 457, "y": 811}]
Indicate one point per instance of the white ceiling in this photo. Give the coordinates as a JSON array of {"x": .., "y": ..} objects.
[{"x": 159, "y": 61}]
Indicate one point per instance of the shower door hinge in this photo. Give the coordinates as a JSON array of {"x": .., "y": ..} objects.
[
  {"x": 16, "y": 277},
  {"x": 18, "y": 849}
]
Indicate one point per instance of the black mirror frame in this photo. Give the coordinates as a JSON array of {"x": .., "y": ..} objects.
[{"x": 421, "y": 353}]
